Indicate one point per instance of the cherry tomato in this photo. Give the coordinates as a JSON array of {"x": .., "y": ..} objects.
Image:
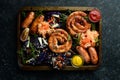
[{"x": 94, "y": 15}]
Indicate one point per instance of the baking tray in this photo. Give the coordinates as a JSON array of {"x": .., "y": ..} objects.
[{"x": 69, "y": 68}]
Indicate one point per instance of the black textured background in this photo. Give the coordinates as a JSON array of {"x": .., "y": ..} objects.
[{"x": 110, "y": 67}]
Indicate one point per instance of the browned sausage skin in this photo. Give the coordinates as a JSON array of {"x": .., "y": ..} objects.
[
  {"x": 83, "y": 53},
  {"x": 59, "y": 36},
  {"x": 93, "y": 55},
  {"x": 76, "y": 23},
  {"x": 28, "y": 20},
  {"x": 34, "y": 27}
]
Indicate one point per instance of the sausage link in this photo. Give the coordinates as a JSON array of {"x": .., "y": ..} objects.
[
  {"x": 83, "y": 53},
  {"x": 93, "y": 55},
  {"x": 34, "y": 26},
  {"x": 28, "y": 20}
]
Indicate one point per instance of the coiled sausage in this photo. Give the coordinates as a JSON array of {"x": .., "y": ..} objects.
[
  {"x": 58, "y": 41},
  {"x": 76, "y": 23}
]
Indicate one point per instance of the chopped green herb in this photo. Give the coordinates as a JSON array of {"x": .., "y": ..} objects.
[
  {"x": 39, "y": 12},
  {"x": 86, "y": 18},
  {"x": 35, "y": 35},
  {"x": 63, "y": 18},
  {"x": 33, "y": 49},
  {"x": 96, "y": 40},
  {"x": 74, "y": 45},
  {"x": 69, "y": 37},
  {"x": 79, "y": 37},
  {"x": 68, "y": 12},
  {"x": 76, "y": 40},
  {"x": 93, "y": 26}
]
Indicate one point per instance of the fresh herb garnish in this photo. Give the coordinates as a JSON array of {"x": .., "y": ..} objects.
[
  {"x": 35, "y": 35},
  {"x": 97, "y": 41},
  {"x": 39, "y": 12},
  {"x": 86, "y": 18},
  {"x": 68, "y": 12},
  {"x": 63, "y": 17},
  {"x": 76, "y": 40},
  {"x": 79, "y": 37},
  {"x": 69, "y": 37},
  {"x": 33, "y": 49},
  {"x": 93, "y": 26}
]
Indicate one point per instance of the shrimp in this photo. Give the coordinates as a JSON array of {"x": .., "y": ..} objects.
[
  {"x": 58, "y": 41},
  {"x": 76, "y": 23}
]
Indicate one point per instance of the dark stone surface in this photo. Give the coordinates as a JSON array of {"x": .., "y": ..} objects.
[{"x": 110, "y": 67}]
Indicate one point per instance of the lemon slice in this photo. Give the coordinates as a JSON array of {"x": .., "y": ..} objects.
[{"x": 24, "y": 35}]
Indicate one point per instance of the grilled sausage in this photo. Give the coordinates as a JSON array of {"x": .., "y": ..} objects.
[
  {"x": 93, "y": 55},
  {"x": 60, "y": 36},
  {"x": 34, "y": 26},
  {"x": 83, "y": 53},
  {"x": 28, "y": 20},
  {"x": 76, "y": 23}
]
